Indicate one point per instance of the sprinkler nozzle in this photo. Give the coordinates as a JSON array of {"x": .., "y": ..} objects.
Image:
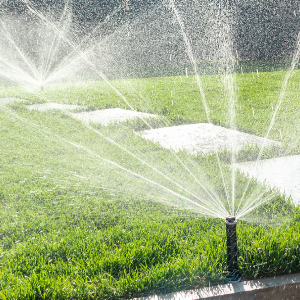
[
  {"x": 232, "y": 253},
  {"x": 231, "y": 220}
]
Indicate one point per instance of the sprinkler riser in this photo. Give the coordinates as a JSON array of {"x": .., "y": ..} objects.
[{"x": 232, "y": 254}]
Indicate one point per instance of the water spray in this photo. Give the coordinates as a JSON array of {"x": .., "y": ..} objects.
[{"x": 232, "y": 253}]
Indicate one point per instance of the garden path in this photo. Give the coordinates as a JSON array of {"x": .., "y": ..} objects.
[{"x": 282, "y": 172}]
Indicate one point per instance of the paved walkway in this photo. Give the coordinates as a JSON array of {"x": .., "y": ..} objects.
[{"x": 283, "y": 172}]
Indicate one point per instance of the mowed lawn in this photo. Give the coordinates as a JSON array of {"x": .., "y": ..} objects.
[{"x": 74, "y": 226}]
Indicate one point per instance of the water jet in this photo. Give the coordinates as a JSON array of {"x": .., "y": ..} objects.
[
  {"x": 232, "y": 253},
  {"x": 204, "y": 181}
]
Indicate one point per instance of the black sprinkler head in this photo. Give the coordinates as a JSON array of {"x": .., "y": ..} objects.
[
  {"x": 232, "y": 253},
  {"x": 231, "y": 220}
]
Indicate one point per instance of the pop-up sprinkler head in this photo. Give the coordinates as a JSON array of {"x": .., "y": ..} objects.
[
  {"x": 232, "y": 254},
  {"x": 42, "y": 88}
]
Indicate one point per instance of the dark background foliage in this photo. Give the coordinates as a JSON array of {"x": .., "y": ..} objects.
[{"x": 263, "y": 28}]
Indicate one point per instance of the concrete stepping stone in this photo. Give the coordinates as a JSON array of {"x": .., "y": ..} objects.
[
  {"x": 107, "y": 116},
  {"x": 4, "y": 101},
  {"x": 49, "y": 106},
  {"x": 203, "y": 137},
  {"x": 281, "y": 172}
]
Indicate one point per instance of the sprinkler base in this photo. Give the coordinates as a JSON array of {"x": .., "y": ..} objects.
[{"x": 234, "y": 276}]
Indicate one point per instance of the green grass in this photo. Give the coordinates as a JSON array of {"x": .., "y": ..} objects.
[
  {"x": 72, "y": 226},
  {"x": 255, "y": 94}
]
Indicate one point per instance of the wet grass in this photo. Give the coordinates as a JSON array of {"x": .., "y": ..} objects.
[
  {"x": 74, "y": 227},
  {"x": 178, "y": 100}
]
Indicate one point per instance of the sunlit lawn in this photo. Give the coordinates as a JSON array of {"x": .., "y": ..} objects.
[{"x": 75, "y": 227}]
